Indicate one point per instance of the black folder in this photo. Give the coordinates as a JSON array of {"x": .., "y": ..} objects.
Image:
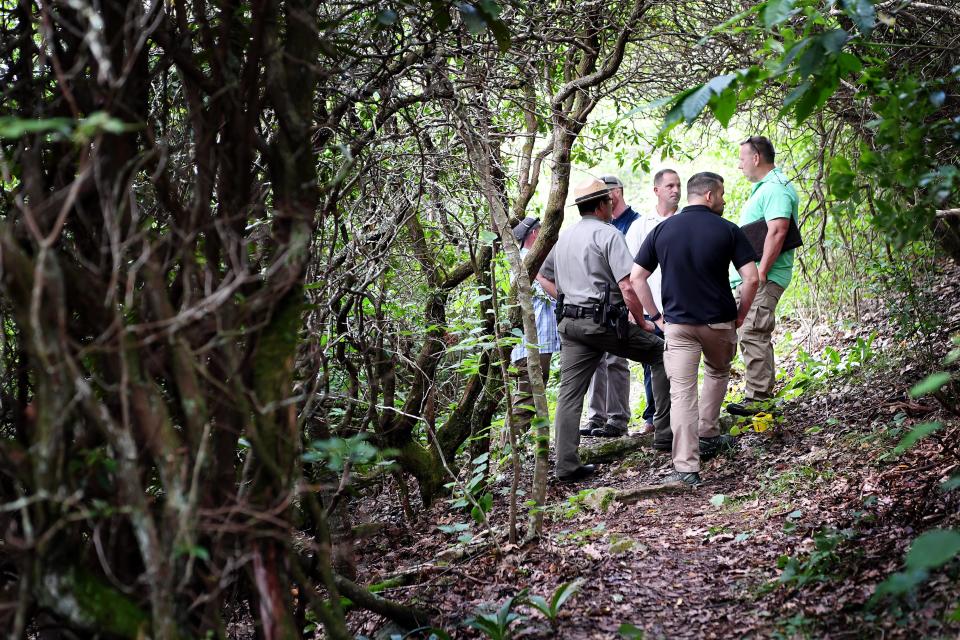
[{"x": 756, "y": 233}]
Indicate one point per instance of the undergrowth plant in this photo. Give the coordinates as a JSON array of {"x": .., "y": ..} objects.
[
  {"x": 561, "y": 594},
  {"x": 496, "y": 624}
]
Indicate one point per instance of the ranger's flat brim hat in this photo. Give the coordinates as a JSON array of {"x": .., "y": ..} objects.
[{"x": 590, "y": 190}]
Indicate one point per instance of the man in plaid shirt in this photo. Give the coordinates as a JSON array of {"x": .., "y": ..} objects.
[{"x": 544, "y": 308}]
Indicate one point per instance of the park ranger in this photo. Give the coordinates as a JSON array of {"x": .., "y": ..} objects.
[{"x": 590, "y": 267}]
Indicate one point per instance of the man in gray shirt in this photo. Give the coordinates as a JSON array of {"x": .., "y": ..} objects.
[
  {"x": 608, "y": 411},
  {"x": 588, "y": 260}
]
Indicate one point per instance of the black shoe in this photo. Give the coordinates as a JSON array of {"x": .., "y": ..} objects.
[
  {"x": 581, "y": 472},
  {"x": 745, "y": 409},
  {"x": 712, "y": 447},
  {"x": 691, "y": 478},
  {"x": 609, "y": 431},
  {"x": 588, "y": 428}
]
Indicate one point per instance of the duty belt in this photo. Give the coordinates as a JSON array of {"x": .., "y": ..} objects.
[{"x": 573, "y": 311}]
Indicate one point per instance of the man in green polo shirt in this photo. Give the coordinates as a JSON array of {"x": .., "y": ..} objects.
[{"x": 775, "y": 200}]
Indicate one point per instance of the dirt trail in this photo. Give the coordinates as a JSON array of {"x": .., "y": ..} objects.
[{"x": 816, "y": 488}]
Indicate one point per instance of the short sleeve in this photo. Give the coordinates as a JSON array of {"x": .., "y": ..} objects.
[
  {"x": 778, "y": 203},
  {"x": 619, "y": 257},
  {"x": 647, "y": 255},
  {"x": 549, "y": 267},
  {"x": 743, "y": 251}
]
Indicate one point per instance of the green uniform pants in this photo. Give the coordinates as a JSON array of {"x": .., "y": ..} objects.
[{"x": 584, "y": 343}]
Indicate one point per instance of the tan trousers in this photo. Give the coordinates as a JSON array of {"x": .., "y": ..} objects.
[
  {"x": 756, "y": 342},
  {"x": 693, "y": 417}
]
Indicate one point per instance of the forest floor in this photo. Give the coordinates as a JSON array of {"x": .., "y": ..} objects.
[{"x": 787, "y": 537}]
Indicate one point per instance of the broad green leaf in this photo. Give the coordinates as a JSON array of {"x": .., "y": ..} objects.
[
  {"x": 491, "y": 8},
  {"x": 675, "y": 115},
  {"x": 720, "y": 83},
  {"x": 918, "y": 432},
  {"x": 898, "y": 583},
  {"x": 950, "y": 484},
  {"x": 805, "y": 105},
  {"x": 540, "y": 604},
  {"x": 862, "y": 13},
  {"x": 930, "y": 384},
  {"x": 833, "y": 41},
  {"x": 501, "y": 34},
  {"x": 933, "y": 549},
  {"x": 811, "y": 60},
  {"x": 100, "y": 122},
  {"x": 564, "y": 592},
  {"x": 695, "y": 103},
  {"x": 13, "y": 127},
  {"x": 472, "y": 18},
  {"x": 441, "y": 13},
  {"x": 724, "y": 106},
  {"x": 776, "y": 12},
  {"x": 796, "y": 93},
  {"x": 849, "y": 63}
]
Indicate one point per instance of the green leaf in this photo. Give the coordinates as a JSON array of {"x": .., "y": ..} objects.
[
  {"x": 776, "y": 12},
  {"x": 675, "y": 115},
  {"x": 630, "y": 632},
  {"x": 950, "y": 484},
  {"x": 920, "y": 431},
  {"x": 540, "y": 604},
  {"x": 841, "y": 178},
  {"x": 848, "y": 63},
  {"x": 482, "y": 508},
  {"x": 718, "y": 500},
  {"x": 862, "y": 13},
  {"x": 501, "y": 34},
  {"x": 930, "y": 384},
  {"x": 487, "y": 237},
  {"x": 724, "y": 106},
  {"x": 476, "y": 24},
  {"x": 454, "y": 528},
  {"x": 695, "y": 103},
  {"x": 933, "y": 549},
  {"x": 795, "y": 93},
  {"x": 100, "y": 122},
  {"x": 833, "y": 40},
  {"x": 441, "y": 13},
  {"x": 12, "y": 127},
  {"x": 563, "y": 593},
  {"x": 898, "y": 583}
]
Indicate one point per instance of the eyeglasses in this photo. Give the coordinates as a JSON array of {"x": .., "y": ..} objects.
[{"x": 752, "y": 144}]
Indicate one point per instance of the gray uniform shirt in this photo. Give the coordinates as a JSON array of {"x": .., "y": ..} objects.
[{"x": 588, "y": 256}]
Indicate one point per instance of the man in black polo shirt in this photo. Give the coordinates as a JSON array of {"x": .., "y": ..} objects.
[{"x": 693, "y": 250}]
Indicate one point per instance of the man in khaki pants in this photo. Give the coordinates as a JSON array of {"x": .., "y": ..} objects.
[
  {"x": 775, "y": 201},
  {"x": 693, "y": 249}
]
